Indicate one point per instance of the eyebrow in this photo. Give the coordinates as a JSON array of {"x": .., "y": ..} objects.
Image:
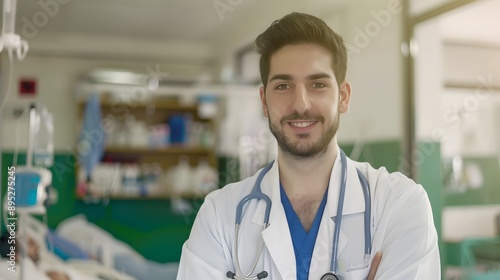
[
  {"x": 318, "y": 76},
  {"x": 287, "y": 77}
]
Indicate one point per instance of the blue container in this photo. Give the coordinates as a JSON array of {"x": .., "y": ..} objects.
[{"x": 177, "y": 125}]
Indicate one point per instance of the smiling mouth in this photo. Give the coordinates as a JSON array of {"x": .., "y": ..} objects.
[{"x": 302, "y": 124}]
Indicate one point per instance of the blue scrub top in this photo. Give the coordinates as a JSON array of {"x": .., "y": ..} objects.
[{"x": 303, "y": 242}]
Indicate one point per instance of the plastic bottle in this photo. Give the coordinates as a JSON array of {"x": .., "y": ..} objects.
[
  {"x": 182, "y": 177},
  {"x": 130, "y": 181},
  {"x": 43, "y": 150},
  {"x": 205, "y": 178}
]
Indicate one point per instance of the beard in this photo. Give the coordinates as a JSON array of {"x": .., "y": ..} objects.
[{"x": 304, "y": 150}]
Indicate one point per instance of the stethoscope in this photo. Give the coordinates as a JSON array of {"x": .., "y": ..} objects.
[{"x": 257, "y": 194}]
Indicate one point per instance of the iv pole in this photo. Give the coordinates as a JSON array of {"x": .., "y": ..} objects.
[
  {"x": 12, "y": 42},
  {"x": 29, "y": 159}
]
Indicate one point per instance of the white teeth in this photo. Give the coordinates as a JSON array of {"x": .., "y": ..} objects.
[{"x": 301, "y": 124}]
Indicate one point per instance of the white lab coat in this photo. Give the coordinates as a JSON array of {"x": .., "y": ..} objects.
[{"x": 401, "y": 220}]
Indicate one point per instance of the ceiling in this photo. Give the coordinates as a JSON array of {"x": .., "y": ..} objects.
[
  {"x": 205, "y": 28},
  {"x": 192, "y": 20},
  {"x": 208, "y": 21},
  {"x": 174, "y": 19},
  {"x": 187, "y": 32}
]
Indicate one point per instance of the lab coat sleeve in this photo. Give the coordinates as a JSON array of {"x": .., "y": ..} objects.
[
  {"x": 203, "y": 253},
  {"x": 410, "y": 247}
]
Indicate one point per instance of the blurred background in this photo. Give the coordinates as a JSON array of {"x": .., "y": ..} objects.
[{"x": 166, "y": 93}]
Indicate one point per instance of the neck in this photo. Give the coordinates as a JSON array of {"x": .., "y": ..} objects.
[{"x": 304, "y": 177}]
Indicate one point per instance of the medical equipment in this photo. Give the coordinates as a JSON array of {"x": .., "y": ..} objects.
[
  {"x": 29, "y": 193},
  {"x": 9, "y": 40},
  {"x": 257, "y": 194},
  {"x": 31, "y": 190}
]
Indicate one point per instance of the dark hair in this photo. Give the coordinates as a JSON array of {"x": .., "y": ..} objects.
[{"x": 296, "y": 28}]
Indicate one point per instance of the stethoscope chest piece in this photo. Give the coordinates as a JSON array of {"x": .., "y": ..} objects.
[{"x": 331, "y": 276}]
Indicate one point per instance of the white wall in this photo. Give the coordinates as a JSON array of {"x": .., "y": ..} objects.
[
  {"x": 463, "y": 120},
  {"x": 428, "y": 82},
  {"x": 373, "y": 32},
  {"x": 121, "y": 48},
  {"x": 461, "y": 222},
  {"x": 418, "y": 7},
  {"x": 471, "y": 64},
  {"x": 471, "y": 126}
]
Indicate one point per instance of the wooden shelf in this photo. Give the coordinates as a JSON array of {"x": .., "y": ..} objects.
[
  {"x": 171, "y": 104},
  {"x": 471, "y": 85},
  {"x": 137, "y": 197},
  {"x": 150, "y": 112},
  {"x": 177, "y": 150}
]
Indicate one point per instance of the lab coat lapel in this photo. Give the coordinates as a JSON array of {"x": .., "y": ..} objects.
[
  {"x": 354, "y": 197},
  {"x": 353, "y": 203},
  {"x": 276, "y": 237}
]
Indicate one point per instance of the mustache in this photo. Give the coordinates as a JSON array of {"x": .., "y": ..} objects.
[{"x": 304, "y": 117}]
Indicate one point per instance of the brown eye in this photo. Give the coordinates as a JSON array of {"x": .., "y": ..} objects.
[
  {"x": 282, "y": 87},
  {"x": 318, "y": 85}
]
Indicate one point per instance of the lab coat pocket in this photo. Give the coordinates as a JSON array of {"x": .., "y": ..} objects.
[
  {"x": 351, "y": 261},
  {"x": 357, "y": 274}
]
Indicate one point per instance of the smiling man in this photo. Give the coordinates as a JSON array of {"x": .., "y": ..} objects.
[{"x": 312, "y": 213}]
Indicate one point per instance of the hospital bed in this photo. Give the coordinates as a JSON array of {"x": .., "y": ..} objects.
[
  {"x": 111, "y": 259},
  {"x": 78, "y": 269},
  {"x": 481, "y": 258}
]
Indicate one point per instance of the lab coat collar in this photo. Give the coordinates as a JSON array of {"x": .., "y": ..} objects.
[
  {"x": 354, "y": 197},
  {"x": 277, "y": 236}
]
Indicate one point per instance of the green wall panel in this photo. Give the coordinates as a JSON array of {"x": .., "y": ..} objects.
[
  {"x": 428, "y": 162},
  {"x": 378, "y": 154},
  {"x": 149, "y": 226},
  {"x": 453, "y": 253}
]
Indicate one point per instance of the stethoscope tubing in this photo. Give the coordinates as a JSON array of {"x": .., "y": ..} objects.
[
  {"x": 257, "y": 193},
  {"x": 368, "y": 207},
  {"x": 340, "y": 208}
]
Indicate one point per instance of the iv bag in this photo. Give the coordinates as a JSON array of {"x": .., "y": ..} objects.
[
  {"x": 9, "y": 16},
  {"x": 43, "y": 150}
]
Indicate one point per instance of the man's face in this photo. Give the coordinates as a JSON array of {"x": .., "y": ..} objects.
[{"x": 302, "y": 99}]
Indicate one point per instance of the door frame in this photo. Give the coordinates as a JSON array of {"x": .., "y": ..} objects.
[{"x": 410, "y": 22}]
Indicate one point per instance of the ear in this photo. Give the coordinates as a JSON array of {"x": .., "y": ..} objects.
[
  {"x": 264, "y": 103},
  {"x": 345, "y": 96}
]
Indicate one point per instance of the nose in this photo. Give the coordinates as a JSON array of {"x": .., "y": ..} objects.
[{"x": 301, "y": 100}]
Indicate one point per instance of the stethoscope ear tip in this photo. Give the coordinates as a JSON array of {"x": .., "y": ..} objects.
[{"x": 262, "y": 275}]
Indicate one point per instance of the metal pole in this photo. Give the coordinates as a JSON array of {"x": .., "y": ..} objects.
[{"x": 31, "y": 135}]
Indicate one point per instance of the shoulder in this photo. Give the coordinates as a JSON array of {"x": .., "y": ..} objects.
[
  {"x": 222, "y": 202},
  {"x": 216, "y": 216},
  {"x": 233, "y": 191},
  {"x": 390, "y": 185},
  {"x": 398, "y": 201}
]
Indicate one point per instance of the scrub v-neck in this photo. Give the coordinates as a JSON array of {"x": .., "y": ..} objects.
[{"x": 303, "y": 242}]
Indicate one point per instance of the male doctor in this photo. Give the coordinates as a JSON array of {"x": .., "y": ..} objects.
[{"x": 303, "y": 68}]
